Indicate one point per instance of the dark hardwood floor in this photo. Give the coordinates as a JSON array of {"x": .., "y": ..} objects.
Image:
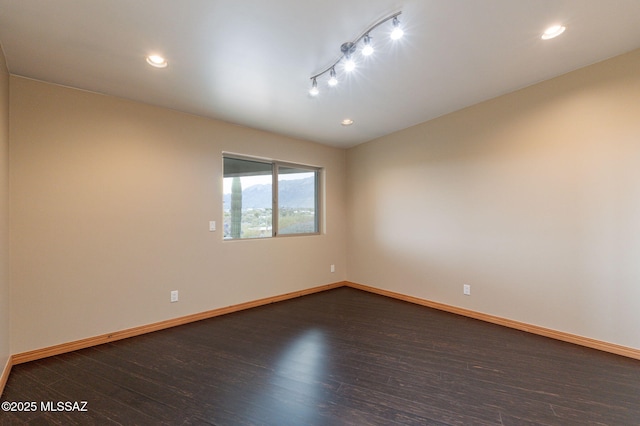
[{"x": 338, "y": 357}]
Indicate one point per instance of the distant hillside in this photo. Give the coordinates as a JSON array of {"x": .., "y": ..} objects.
[{"x": 296, "y": 193}]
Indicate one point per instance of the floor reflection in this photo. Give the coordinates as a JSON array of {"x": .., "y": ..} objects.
[{"x": 297, "y": 380}]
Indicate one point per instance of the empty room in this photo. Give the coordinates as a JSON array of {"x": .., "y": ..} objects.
[{"x": 320, "y": 213}]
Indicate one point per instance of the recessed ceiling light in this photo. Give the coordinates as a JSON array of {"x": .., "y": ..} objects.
[
  {"x": 553, "y": 31},
  {"x": 347, "y": 122},
  {"x": 157, "y": 61}
]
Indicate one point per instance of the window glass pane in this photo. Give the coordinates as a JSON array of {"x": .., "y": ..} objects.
[
  {"x": 247, "y": 188},
  {"x": 297, "y": 201}
]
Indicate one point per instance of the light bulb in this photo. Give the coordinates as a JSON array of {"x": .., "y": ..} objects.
[
  {"x": 332, "y": 77},
  {"x": 397, "y": 31},
  {"x": 349, "y": 64},
  {"x": 367, "y": 49},
  {"x": 314, "y": 88}
]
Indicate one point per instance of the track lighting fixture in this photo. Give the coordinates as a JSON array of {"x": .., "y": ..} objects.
[
  {"x": 397, "y": 32},
  {"x": 367, "y": 49},
  {"x": 349, "y": 49},
  {"x": 349, "y": 64},
  {"x": 314, "y": 88},
  {"x": 333, "y": 80}
]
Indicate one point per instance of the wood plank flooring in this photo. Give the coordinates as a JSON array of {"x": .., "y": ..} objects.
[{"x": 340, "y": 357}]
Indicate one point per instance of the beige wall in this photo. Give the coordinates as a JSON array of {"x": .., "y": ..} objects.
[
  {"x": 532, "y": 198},
  {"x": 110, "y": 204},
  {"x": 4, "y": 213}
]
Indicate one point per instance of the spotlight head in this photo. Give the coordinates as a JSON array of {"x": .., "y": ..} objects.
[
  {"x": 397, "y": 32},
  {"x": 367, "y": 49},
  {"x": 333, "y": 80},
  {"x": 347, "y": 50},
  {"x": 314, "y": 88},
  {"x": 349, "y": 64}
]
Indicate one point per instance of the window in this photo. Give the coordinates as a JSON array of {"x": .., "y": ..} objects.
[{"x": 269, "y": 198}]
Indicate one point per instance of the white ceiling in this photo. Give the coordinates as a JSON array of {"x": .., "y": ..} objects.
[{"x": 249, "y": 61}]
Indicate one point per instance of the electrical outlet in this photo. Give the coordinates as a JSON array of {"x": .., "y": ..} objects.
[
  {"x": 333, "y": 268},
  {"x": 466, "y": 289},
  {"x": 174, "y": 296}
]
